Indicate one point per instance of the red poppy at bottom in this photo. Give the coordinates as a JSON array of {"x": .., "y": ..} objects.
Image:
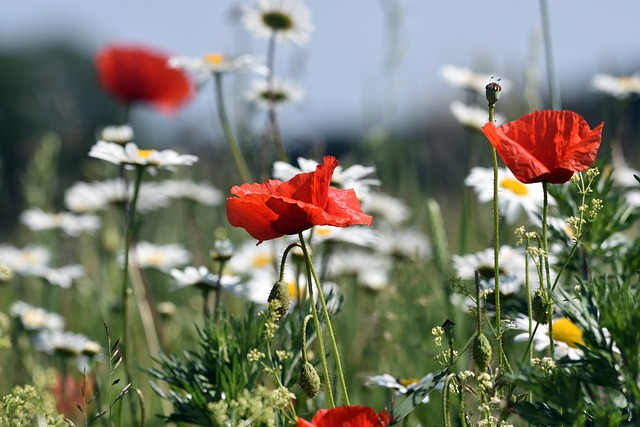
[
  {"x": 276, "y": 208},
  {"x": 347, "y": 416},
  {"x": 546, "y": 145}
]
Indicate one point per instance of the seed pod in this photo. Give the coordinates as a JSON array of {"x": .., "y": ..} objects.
[
  {"x": 280, "y": 299},
  {"x": 482, "y": 351},
  {"x": 309, "y": 380}
]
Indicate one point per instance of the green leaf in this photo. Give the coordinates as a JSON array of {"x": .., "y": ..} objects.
[{"x": 415, "y": 397}]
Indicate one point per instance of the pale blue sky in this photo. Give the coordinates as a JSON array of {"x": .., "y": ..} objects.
[{"x": 343, "y": 68}]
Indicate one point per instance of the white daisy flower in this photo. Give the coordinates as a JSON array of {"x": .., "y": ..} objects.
[
  {"x": 465, "y": 78},
  {"x": 118, "y": 134},
  {"x": 97, "y": 196},
  {"x": 365, "y": 237},
  {"x": 62, "y": 276},
  {"x": 353, "y": 177},
  {"x": 64, "y": 343},
  {"x": 473, "y": 117},
  {"x": 162, "y": 257},
  {"x": 408, "y": 243},
  {"x": 512, "y": 269},
  {"x": 248, "y": 258},
  {"x": 203, "y": 192},
  {"x": 207, "y": 65},
  {"x": 27, "y": 261},
  {"x": 619, "y": 87},
  {"x": 401, "y": 385},
  {"x": 566, "y": 337},
  {"x": 371, "y": 270},
  {"x": 35, "y": 318},
  {"x": 73, "y": 225},
  {"x": 131, "y": 155},
  {"x": 387, "y": 208},
  {"x": 514, "y": 197},
  {"x": 201, "y": 277},
  {"x": 287, "y": 20},
  {"x": 266, "y": 96}
]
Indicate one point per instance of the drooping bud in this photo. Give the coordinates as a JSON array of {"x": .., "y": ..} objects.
[
  {"x": 309, "y": 380},
  {"x": 493, "y": 90},
  {"x": 482, "y": 351},
  {"x": 279, "y": 299}
]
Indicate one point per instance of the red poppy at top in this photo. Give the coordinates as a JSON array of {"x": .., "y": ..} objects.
[
  {"x": 136, "y": 74},
  {"x": 546, "y": 145},
  {"x": 347, "y": 416},
  {"x": 276, "y": 208}
]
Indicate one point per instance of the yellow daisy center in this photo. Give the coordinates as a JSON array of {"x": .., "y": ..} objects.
[
  {"x": 260, "y": 261},
  {"x": 629, "y": 83},
  {"x": 214, "y": 58},
  {"x": 293, "y": 290},
  {"x": 515, "y": 186},
  {"x": 323, "y": 231},
  {"x": 406, "y": 382},
  {"x": 145, "y": 154},
  {"x": 566, "y": 331}
]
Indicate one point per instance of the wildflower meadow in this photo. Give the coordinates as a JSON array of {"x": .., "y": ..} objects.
[{"x": 267, "y": 283}]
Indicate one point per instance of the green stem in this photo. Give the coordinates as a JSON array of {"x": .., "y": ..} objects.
[
  {"x": 238, "y": 157},
  {"x": 316, "y": 322},
  {"x": 125, "y": 272},
  {"x": 496, "y": 244},
  {"x": 332, "y": 336},
  {"x": 545, "y": 247}
]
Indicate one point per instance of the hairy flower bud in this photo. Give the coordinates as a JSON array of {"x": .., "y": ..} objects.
[
  {"x": 493, "y": 90},
  {"x": 541, "y": 306},
  {"x": 309, "y": 380},
  {"x": 279, "y": 299},
  {"x": 482, "y": 351}
]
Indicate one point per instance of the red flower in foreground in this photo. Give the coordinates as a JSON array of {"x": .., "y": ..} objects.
[
  {"x": 68, "y": 393},
  {"x": 546, "y": 145},
  {"x": 138, "y": 74},
  {"x": 347, "y": 416},
  {"x": 276, "y": 208}
]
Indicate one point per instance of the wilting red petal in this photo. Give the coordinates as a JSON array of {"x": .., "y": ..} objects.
[
  {"x": 348, "y": 416},
  {"x": 136, "y": 74},
  {"x": 546, "y": 145},
  {"x": 276, "y": 208}
]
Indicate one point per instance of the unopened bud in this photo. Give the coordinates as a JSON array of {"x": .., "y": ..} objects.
[
  {"x": 541, "y": 306},
  {"x": 493, "y": 90},
  {"x": 482, "y": 351},
  {"x": 309, "y": 380},
  {"x": 279, "y": 299}
]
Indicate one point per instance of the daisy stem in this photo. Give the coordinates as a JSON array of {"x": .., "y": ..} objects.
[
  {"x": 545, "y": 247},
  {"x": 236, "y": 152},
  {"x": 316, "y": 322},
  {"x": 325, "y": 312},
  {"x": 273, "y": 122},
  {"x": 496, "y": 243},
  {"x": 129, "y": 226},
  {"x": 554, "y": 90}
]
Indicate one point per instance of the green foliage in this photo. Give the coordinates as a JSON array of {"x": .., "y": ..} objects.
[{"x": 25, "y": 407}]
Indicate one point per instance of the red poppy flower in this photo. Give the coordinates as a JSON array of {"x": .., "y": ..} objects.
[
  {"x": 134, "y": 74},
  {"x": 347, "y": 416},
  {"x": 546, "y": 145},
  {"x": 276, "y": 208},
  {"x": 68, "y": 392}
]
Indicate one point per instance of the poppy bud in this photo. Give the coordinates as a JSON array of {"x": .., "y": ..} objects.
[
  {"x": 448, "y": 327},
  {"x": 482, "y": 351},
  {"x": 309, "y": 380},
  {"x": 540, "y": 306},
  {"x": 493, "y": 90},
  {"x": 279, "y": 299}
]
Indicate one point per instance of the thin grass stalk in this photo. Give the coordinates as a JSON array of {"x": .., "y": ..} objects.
[
  {"x": 554, "y": 86},
  {"x": 236, "y": 151}
]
